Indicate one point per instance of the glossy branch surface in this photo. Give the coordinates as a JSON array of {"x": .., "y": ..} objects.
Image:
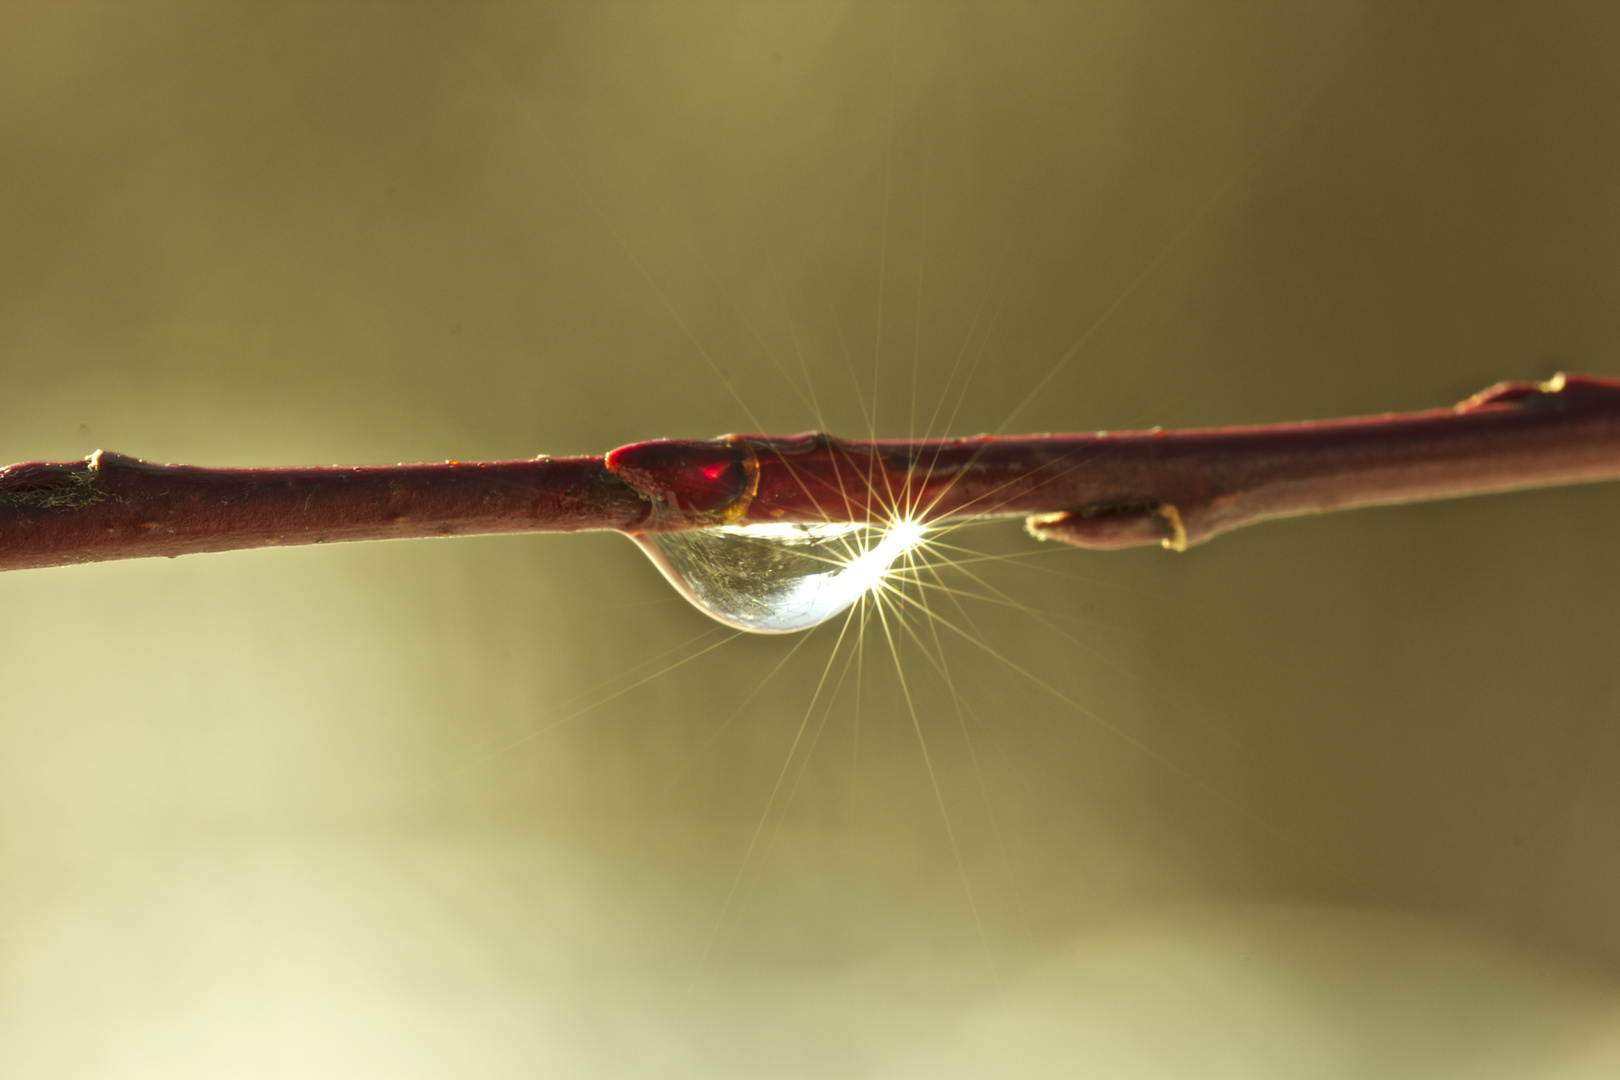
[{"x": 1103, "y": 490}]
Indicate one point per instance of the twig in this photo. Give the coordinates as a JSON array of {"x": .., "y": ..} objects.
[{"x": 1103, "y": 490}]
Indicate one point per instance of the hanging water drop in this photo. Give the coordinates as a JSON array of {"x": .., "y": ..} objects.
[{"x": 778, "y": 578}]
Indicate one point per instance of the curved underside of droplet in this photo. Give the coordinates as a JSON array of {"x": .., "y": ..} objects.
[{"x": 778, "y": 578}]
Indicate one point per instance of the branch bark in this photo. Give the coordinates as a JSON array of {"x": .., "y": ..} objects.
[{"x": 1102, "y": 490}]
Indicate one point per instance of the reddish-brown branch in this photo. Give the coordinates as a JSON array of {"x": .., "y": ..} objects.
[
  {"x": 115, "y": 507},
  {"x": 1102, "y": 490}
]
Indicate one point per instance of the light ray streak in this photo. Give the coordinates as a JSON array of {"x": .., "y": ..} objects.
[
  {"x": 959, "y": 704},
  {"x": 1154, "y": 755},
  {"x": 584, "y": 193},
  {"x": 956, "y": 364},
  {"x": 883, "y": 233},
  {"x": 447, "y": 775},
  {"x": 1238, "y": 176},
  {"x": 849, "y": 358},
  {"x": 798, "y": 349},
  {"x": 804, "y": 767},
  {"x": 732, "y": 717},
  {"x": 939, "y": 794},
  {"x": 770, "y": 802},
  {"x": 1045, "y": 619}
]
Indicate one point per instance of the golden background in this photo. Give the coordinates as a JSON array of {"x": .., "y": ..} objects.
[{"x": 1330, "y": 798}]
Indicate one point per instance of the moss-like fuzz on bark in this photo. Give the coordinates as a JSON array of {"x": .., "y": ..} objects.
[{"x": 51, "y": 486}]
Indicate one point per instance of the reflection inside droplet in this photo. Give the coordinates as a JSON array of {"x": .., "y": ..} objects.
[{"x": 777, "y": 578}]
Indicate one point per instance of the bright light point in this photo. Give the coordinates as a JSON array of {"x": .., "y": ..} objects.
[
  {"x": 908, "y": 531},
  {"x": 775, "y": 578},
  {"x": 866, "y": 570}
]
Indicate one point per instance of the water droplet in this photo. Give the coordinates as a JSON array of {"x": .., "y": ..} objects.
[{"x": 777, "y": 578}]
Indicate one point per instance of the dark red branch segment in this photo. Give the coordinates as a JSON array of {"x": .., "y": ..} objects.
[
  {"x": 116, "y": 507},
  {"x": 1102, "y": 490},
  {"x": 1119, "y": 489}
]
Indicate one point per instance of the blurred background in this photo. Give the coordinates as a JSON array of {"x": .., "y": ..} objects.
[{"x": 1331, "y": 797}]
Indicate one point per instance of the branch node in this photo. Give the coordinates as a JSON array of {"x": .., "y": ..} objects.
[{"x": 1109, "y": 525}]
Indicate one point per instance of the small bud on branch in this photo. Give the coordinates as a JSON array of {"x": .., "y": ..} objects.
[{"x": 1103, "y": 490}]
